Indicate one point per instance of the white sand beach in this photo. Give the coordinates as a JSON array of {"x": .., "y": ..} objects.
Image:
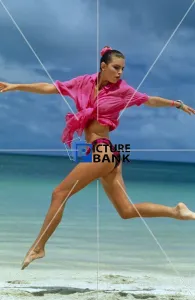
[{"x": 50, "y": 284}]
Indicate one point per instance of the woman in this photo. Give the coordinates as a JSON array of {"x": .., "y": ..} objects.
[{"x": 99, "y": 98}]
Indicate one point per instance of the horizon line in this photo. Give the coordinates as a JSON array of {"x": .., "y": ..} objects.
[{"x": 67, "y": 157}]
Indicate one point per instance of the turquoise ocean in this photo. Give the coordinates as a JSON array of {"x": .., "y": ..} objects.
[{"x": 93, "y": 247}]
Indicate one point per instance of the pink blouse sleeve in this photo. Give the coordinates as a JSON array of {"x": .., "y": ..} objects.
[
  {"x": 69, "y": 88},
  {"x": 133, "y": 97}
]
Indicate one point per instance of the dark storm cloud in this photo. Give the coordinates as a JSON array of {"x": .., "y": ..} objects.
[{"x": 65, "y": 36}]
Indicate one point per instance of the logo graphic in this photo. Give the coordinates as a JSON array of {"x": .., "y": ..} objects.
[{"x": 84, "y": 153}]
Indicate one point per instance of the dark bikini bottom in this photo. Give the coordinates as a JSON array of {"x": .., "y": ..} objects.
[{"x": 106, "y": 141}]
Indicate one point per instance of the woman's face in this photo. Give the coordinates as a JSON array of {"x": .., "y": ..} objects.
[{"x": 114, "y": 70}]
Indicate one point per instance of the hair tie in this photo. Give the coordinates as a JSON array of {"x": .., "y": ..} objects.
[{"x": 105, "y": 49}]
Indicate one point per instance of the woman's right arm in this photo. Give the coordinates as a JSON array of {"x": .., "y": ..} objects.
[
  {"x": 39, "y": 88},
  {"x": 66, "y": 88}
]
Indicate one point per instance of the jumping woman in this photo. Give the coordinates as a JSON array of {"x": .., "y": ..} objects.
[{"x": 99, "y": 98}]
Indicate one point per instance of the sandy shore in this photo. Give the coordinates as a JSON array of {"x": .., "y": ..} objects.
[
  {"x": 95, "y": 296},
  {"x": 74, "y": 294},
  {"x": 73, "y": 285}
]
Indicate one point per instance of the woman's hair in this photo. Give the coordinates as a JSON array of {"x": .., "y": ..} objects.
[{"x": 107, "y": 53}]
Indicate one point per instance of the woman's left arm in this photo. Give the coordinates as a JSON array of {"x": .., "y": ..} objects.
[{"x": 161, "y": 102}]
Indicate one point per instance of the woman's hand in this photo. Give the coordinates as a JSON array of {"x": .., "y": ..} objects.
[
  {"x": 6, "y": 87},
  {"x": 38, "y": 88},
  {"x": 188, "y": 109}
]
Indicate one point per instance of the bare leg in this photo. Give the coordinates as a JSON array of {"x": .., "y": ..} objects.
[
  {"x": 114, "y": 187},
  {"x": 81, "y": 176},
  {"x": 152, "y": 210}
]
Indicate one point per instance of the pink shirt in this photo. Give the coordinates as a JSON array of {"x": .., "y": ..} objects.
[{"x": 105, "y": 108}]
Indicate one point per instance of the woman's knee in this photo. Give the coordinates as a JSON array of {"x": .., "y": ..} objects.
[
  {"x": 59, "y": 195},
  {"x": 126, "y": 213}
]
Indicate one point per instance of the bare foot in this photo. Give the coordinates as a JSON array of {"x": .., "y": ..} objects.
[
  {"x": 32, "y": 255},
  {"x": 183, "y": 213}
]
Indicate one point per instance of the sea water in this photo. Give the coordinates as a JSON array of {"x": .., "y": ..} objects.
[{"x": 92, "y": 237}]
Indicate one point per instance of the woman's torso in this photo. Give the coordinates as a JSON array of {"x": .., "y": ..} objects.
[{"x": 95, "y": 130}]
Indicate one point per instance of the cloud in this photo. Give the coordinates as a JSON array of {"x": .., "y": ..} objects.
[
  {"x": 66, "y": 38},
  {"x": 61, "y": 31}
]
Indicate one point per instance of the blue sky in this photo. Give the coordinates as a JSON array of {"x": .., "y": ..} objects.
[{"x": 64, "y": 36}]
